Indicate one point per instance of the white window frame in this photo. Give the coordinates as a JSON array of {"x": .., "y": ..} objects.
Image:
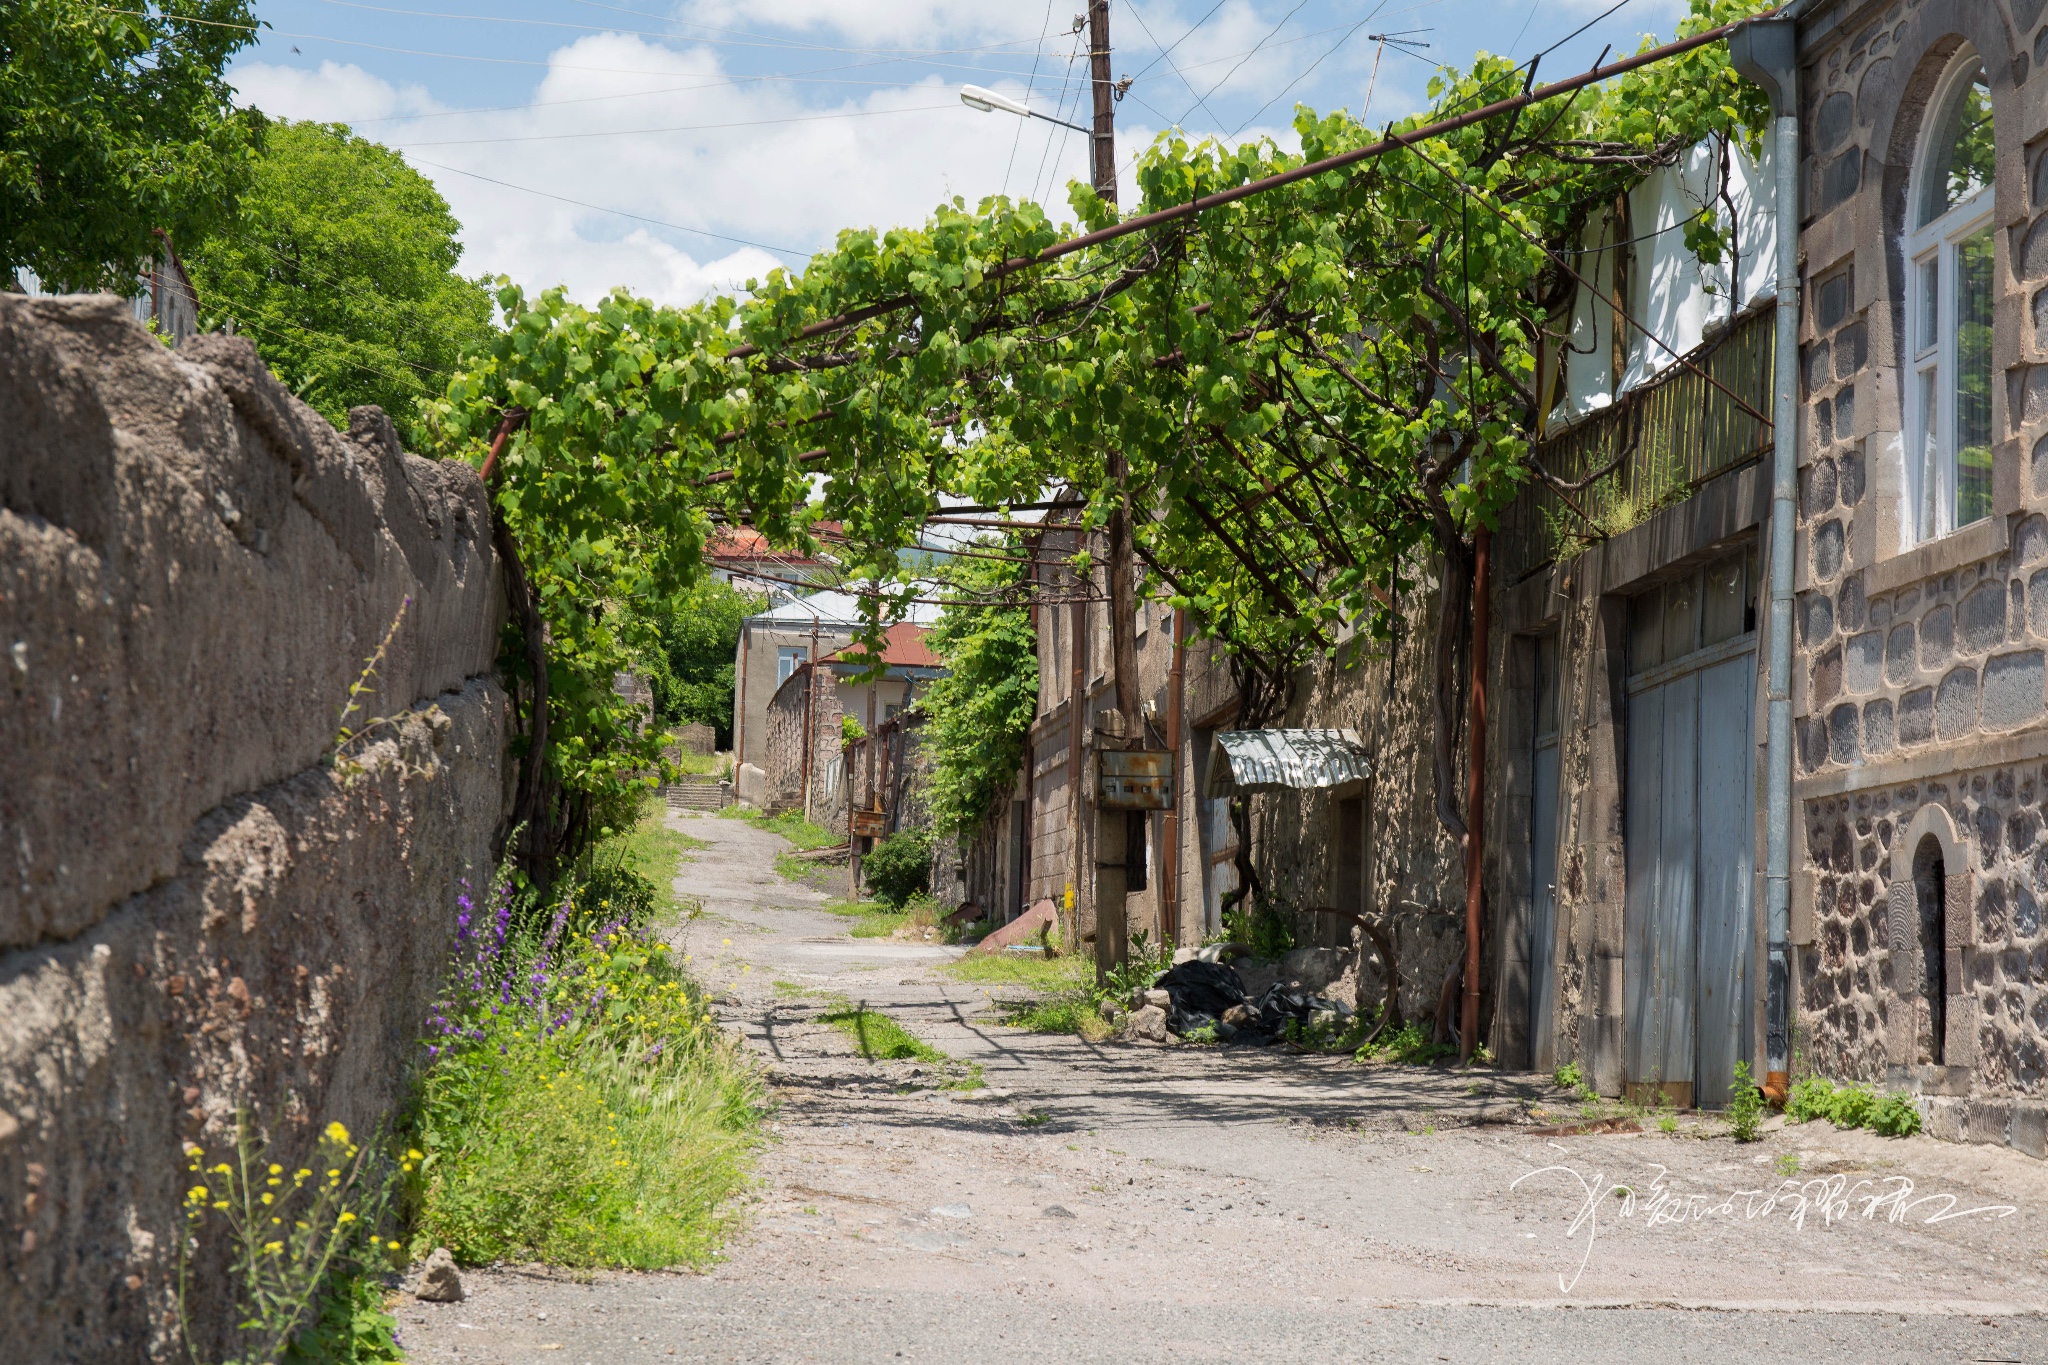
[
  {"x": 788, "y": 658},
  {"x": 1930, "y": 481}
]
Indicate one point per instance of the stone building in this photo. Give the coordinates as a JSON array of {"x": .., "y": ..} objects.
[
  {"x": 810, "y": 709},
  {"x": 1627, "y": 828},
  {"x": 1923, "y": 557}
]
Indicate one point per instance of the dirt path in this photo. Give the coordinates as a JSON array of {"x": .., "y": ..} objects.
[{"x": 1131, "y": 1202}]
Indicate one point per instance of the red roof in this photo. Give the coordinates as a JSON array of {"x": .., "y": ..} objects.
[
  {"x": 903, "y": 646},
  {"x": 746, "y": 543}
]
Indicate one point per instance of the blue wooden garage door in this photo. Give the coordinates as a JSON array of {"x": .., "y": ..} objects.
[{"x": 1690, "y": 837}]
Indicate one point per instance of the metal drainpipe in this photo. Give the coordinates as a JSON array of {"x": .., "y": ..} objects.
[{"x": 1767, "y": 53}]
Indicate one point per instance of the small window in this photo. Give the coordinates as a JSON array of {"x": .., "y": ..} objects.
[
  {"x": 1949, "y": 242},
  {"x": 786, "y": 660}
]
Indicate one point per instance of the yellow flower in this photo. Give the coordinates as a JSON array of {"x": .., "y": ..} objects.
[
  {"x": 414, "y": 1154},
  {"x": 346, "y": 1218},
  {"x": 394, "y": 1246},
  {"x": 273, "y": 1247},
  {"x": 301, "y": 1174},
  {"x": 223, "y": 1169},
  {"x": 198, "y": 1194},
  {"x": 336, "y": 1132},
  {"x": 333, "y": 1174},
  {"x": 266, "y": 1196},
  {"x": 277, "y": 1170}
]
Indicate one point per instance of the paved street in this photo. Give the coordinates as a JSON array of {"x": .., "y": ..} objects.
[{"x": 1132, "y": 1202}]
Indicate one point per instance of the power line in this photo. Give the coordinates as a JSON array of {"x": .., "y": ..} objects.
[
  {"x": 1309, "y": 69},
  {"x": 742, "y": 40},
  {"x": 674, "y": 128},
  {"x": 599, "y": 208}
]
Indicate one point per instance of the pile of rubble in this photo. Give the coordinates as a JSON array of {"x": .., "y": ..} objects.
[{"x": 1202, "y": 998}]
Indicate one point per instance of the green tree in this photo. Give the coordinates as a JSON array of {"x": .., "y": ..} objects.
[
  {"x": 341, "y": 268},
  {"x": 978, "y": 713},
  {"x": 691, "y": 670},
  {"x": 114, "y": 126}
]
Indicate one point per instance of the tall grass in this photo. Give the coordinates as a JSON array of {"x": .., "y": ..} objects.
[{"x": 580, "y": 1105}]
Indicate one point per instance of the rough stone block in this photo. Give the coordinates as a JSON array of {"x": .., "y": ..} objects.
[
  {"x": 1863, "y": 663},
  {"x": 1827, "y": 549},
  {"x": 1945, "y": 1119},
  {"x": 1817, "y": 487},
  {"x": 1830, "y": 127},
  {"x": 1816, "y": 619},
  {"x": 1850, "y": 608},
  {"x": 1826, "y": 678},
  {"x": 1849, "y": 482},
  {"x": 1843, "y": 734},
  {"x": 2030, "y": 539},
  {"x": 1916, "y": 716},
  {"x": 1901, "y": 655},
  {"x": 1990, "y": 1121},
  {"x": 1955, "y": 703},
  {"x": 1851, "y": 347},
  {"x": 2028, "y": 1127},
  {"x": 1937, "y": 637},
  {"x": 2013, "y": 689},
  {"x": 1980, "y": 618},
  {"x": 1879, "y": 735}
]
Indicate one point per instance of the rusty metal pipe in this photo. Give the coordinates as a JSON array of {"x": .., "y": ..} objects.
[{"x": 1475, "y": 814}]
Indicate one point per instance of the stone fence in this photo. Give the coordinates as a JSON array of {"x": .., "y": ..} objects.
[{"x": 205, "y": 913}]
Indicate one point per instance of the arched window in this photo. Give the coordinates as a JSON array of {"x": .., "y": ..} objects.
[{"x": 1948, "y": 311}]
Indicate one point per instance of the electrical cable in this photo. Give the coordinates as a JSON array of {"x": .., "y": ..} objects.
[
  {"x": 675, "y": 128},
  {"x": 600, "y": 208}
]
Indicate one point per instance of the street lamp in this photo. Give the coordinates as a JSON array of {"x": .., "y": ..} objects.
[{"x": 989, "y": 101}]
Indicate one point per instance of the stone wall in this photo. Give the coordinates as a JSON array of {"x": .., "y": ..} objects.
[
  {"x": 204, "y": 914},
  {"x": 1919, "y": 677}
]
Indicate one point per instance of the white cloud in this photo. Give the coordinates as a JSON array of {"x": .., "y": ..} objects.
[
  {"x": 333, "y": 94},
  {"x": 701, "y": 148}
]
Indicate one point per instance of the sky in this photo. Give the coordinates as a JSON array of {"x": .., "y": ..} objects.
[{"x": 681, "y": 149}]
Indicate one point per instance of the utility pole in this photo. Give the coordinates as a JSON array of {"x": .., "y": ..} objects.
[{"x": 1103, "y": 140}]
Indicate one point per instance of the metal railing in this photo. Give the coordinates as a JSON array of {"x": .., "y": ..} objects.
[{"x": 1664, "y": 439}]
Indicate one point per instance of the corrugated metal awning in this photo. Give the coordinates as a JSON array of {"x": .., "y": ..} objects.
[{"x": 1293, "y": 760}]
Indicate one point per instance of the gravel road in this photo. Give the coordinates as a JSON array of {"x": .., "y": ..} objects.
[{"x": 1132, "y": 1202}]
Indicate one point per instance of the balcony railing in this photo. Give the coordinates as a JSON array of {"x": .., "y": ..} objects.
[{"x": 1664, "y": 439}]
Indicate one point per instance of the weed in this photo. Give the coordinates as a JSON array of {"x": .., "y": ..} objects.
[
  {"x": 352, "y": 1326},
  {"x": 1204, "y": 1033},
  {"x": 1023, "y": 969},
  {"x": 1408, "y": 1045},
  {"x": 1570, "y": 1077},
  {"x": 964, "y": 1078},
  {"x": 1036, "y": 1118},
  {"x": 1745, "y": 1106},
  {"x": 880, "y": 1038},
  {"x": 297, "y": 1237},
  {"x": 1667, "y": 1122},
  {"x": 1852, "y": 1106},
  {"x": 791, "y": 825},
  {"x": 1895, "y": 1116},
  {"x": 1262, "y": 928},
  {"x": 580, "y": 1104},
  {"x": 1069, "y": 1011},
  {"x": 1787, "y": 1164},
  {"x": 790, "y": 990}
]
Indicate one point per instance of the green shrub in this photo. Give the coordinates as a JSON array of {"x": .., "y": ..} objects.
[
  {"x": 1260, "y": 928},
  {"x": 1745, "y": 1106},
  {"x": 1571, "y": 1077},
  {"x": 1812, "y": 1097},
  {"x": 352, "y": 1327},
  {"x": 899, "y": 866},
  {"x": 1895, "y": 1116},
  {"x": 580, "y": 1105},
  {"x": 1408, "y": 1045},
  {"x": 1852, "y": 1107}
]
